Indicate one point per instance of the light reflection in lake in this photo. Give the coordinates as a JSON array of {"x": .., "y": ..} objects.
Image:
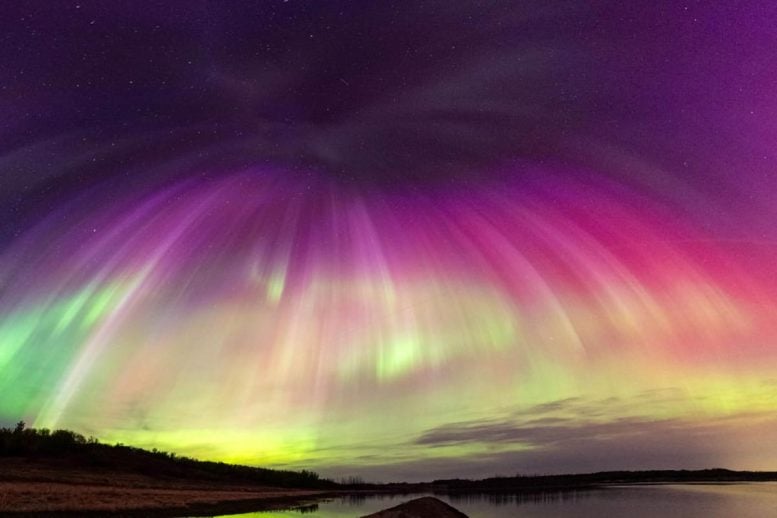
[{"x": 748, "y": 500}]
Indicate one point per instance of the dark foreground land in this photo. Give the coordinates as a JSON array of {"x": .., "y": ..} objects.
[
  {"x": 57, "y": 486},
  {"x": 62, "y": 473}
]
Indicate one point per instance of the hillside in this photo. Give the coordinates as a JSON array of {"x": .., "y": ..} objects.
[{"x": 59, "y": 471}]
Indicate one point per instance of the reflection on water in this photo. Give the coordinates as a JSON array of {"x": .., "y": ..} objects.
[
  {"x": 752, "y": 500},
  {"x": 307, "y": 509},
  {"x": 489, "y": 500}
]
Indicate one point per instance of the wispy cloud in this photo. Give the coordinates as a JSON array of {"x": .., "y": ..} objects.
[{"x": 580, "y": 435}]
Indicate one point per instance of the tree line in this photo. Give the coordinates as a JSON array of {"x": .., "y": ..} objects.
[{"x": 72, "y": 449}]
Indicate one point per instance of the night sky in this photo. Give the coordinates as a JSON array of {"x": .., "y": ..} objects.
[{"x": 394, "y": 239}]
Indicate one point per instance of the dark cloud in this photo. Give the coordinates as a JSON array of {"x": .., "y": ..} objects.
[
  {"x": 548, "y": 424},
  {"x": 625, "y": 445},
  {"x": 541, "y": 441}
]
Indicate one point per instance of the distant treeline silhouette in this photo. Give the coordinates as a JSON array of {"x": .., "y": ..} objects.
[
  {"x": 583, "y": 480},
  {"x": 71, "y": 449},
  {"x": 535, "y": 484}
]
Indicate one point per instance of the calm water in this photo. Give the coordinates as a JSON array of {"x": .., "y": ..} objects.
[{"x": 755, "y": 500}]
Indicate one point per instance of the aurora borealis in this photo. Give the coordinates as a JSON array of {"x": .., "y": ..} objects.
[{"x": 400, "y": 241}]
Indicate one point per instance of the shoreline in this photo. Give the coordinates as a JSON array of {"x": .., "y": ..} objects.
[
  {"x": 298, "y": 499},
  {"x": 121, "y": 501}
]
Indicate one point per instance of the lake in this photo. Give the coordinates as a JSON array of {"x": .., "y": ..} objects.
[{"x": 742, "y": 500}]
